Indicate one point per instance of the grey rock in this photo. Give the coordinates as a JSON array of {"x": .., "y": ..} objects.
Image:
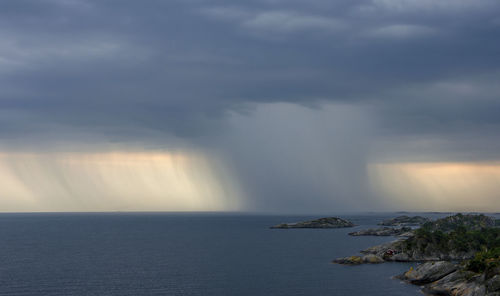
[
  {"x": 399, "y": 257},
  {"x": 460, "y": 283},
  {"x": 381, "y": 249},
  {"x": 407, "y": 234},
  {"x": 493, "y": 284},
  {"x": 429, "y": 272},
  {"x": 396, "y": 252},
  {"x": 356, "y": 260}
]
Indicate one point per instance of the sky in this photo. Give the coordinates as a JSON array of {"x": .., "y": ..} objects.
[{"x": 265, "y": 106}]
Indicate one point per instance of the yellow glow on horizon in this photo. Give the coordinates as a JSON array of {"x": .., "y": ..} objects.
[
  {"x": 111, "y": 181},
  {"x": 438, "y": 186}
]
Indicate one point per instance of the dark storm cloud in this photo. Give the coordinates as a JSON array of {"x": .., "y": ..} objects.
[
  {"x": 298, "y": 159},
  {"x": 179, "y": 66},
  {"x": 379, "y": 79}
]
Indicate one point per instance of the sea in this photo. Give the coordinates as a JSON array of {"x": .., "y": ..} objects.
[{"x": 187, "y": 254}]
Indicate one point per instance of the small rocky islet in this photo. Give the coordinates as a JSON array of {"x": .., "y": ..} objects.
[
  {"x": 384, "y": 231},
  {"x": 459, "y": 256},
  {"x": 328, "y": 222},
  {"x": 405, "y": 221}
]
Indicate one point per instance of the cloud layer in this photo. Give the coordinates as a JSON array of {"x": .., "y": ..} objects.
[{"x": 406, "y": 80}]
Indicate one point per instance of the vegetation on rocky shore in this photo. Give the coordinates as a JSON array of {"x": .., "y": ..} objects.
[
  {"x": 460, "y": 255},
  {"x": 479, "y": 271},
  {"x": 458, "y": 244},
  {"x": 487, "y": 261},
  {"x": 468, "y": 222}
]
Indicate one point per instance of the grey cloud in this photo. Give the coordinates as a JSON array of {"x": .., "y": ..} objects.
[
  {"x": 177, "y": 73},
  {"x": 297, "y": 159},
  {"x": 289, "y": 21},
  {"x": 426, "y": 6},
  {"x": 401, "y": 31},
  {"x": 162, "y": 65}
]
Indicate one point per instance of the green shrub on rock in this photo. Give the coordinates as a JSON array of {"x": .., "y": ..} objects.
[{"x": 485, "y": 261}]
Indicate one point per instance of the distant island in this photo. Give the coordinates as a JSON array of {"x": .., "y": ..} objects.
[
  {"x": 405, "y": 221},
  {"x": 460, "y": 255},
  {"x": 384, "y": 231},
  {"x": 328, "y": 222}
]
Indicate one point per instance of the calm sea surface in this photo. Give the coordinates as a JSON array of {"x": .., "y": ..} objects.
[{"x": 185, "y": 254}]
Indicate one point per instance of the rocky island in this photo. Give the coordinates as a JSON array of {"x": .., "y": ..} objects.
[
  {"x": 384, "y": 231},
  {"x": 329, "y": 222},
  {"x": 459, "y": 255},
  {"x": 405, "y": 221}
]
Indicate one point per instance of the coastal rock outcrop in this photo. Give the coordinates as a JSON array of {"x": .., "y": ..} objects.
[
  {"x": 329, "y": 222},
  {"x": 459, "y": 255},
  {"x": 356, "y": 260},
  {"x": 391, "y": 251},
  {"x": 405, "y": 221},
  {"x": 459, "y": 283},
  {"x": 445, "y": 278},
  {"x": 428, "y": 272},
  {"x": 455, "y": 238},
  {"x": 413, "y": 250},
  {"x": 383, "y": 231}
]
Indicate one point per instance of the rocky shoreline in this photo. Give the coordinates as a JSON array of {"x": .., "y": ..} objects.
[
  {"x": 405, "y": 221},
  {"x": 458, "y": 255},
  {"x": 384, "y": 231},
  {"x": 328, "y": 222},
  {"x": 447, "y": 278}
]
